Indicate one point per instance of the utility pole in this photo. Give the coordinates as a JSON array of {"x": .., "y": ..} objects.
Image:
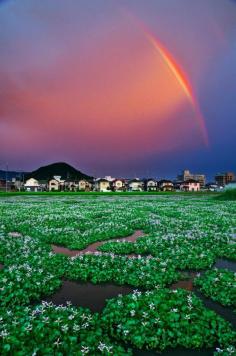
[
  {"x": 21, "y": 177},
  {"x": 6, "y": 176}
]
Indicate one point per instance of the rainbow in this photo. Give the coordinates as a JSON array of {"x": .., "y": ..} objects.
[{"x": 178, "y": 73}]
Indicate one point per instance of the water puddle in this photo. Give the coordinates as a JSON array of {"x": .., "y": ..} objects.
[
  {"x": 92, "y": 248},
  {"x": 227, "y": 264},
  {"x": 174, "y": 352},
  {"x": 226, "y": 313},
  {"x": 87, "y": 295},
  {"x": 186, "y": 284}
]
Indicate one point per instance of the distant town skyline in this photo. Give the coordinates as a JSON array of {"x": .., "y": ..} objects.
[
  {"x": 5, "y": 169},
  {"x": 128, "y": 88}
]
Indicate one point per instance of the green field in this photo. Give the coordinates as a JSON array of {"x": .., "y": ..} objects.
[
  {"x": 181, "y": 233},
  {"x": 94, "y": 193}
]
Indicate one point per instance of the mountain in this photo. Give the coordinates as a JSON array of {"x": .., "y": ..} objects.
[{"x": 57, "y": 169}]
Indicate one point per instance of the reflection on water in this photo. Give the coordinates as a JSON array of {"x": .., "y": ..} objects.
[
  {"x": 228, "y": 264},
  {"x": 87, "y": 295}
]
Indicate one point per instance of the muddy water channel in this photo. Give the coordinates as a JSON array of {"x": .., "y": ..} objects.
[
  {"x": 93, "y": 247},
  {"x": 87, "y": 294},
  {"x": 95, "y": 296}
]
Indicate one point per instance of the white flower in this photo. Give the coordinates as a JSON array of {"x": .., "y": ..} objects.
[
  {"x": 84, "y": 349},
  {"x": 64, "y": 328},
  {"x": 109, "y": 348},
  {"x": 58, "y": 320},
  {"x": 83, "y": 316},
  {"x": 85, "y": 325},
  {"x": 29, "y": 328},
  {"x": 57, "y": 343},
  {"x": 145, "y": 315},
  {"x": 4, "y": 334},
  {"x": 230, "y": 349},
  {"x": 189, "y": 297},
  {"x": 76, "y": 328},
  {"x": 101, "y": 346}
]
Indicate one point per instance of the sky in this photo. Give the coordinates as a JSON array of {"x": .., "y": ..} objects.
[{"x": 122, "y": 88}]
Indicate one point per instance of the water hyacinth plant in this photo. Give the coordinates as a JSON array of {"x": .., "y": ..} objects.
[
  {"x": 219, "y": 284},
  {"x": 161, "y": 319},
  {"x": 180, "y": 234},
  {"x": 135, "y": 271},
  {"x": 47, "y": 329}
]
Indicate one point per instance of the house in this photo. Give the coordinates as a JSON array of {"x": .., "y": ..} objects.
[
  {"x": 176, "y": 185},
  {"x": 56, "y": 184},
  {"x": 17, "y": 184},
  {"x": 166, "y": 185},
  {"x": 84, "y": 185},
  {"x": 118, "y": 185},
  {"x": 32, "y": 185},
  {"x": 7, "y": 186},
  {"x": 102, "y": 185},
  {"x": 190, "y": 185},
  {"x": 71, "y": 186},
  {"x": 135, "y": 185},
  {"x": 150, "y": 185},
  {"x": 186, "y": 175}
]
